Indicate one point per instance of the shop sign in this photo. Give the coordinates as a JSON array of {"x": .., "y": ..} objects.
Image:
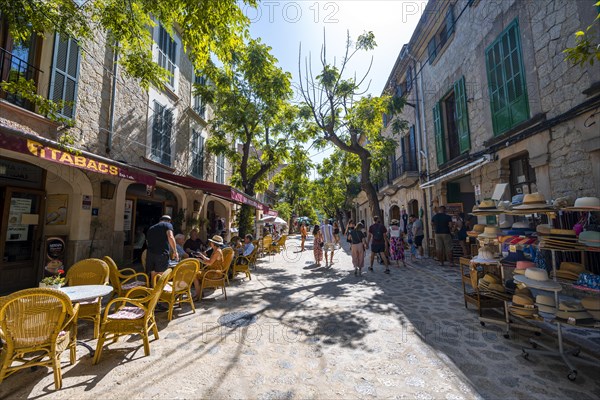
[
  {"x": 71, "y": 157},
  {"x": 127, "y": 218},
  {"x": 86, "y": 202}
]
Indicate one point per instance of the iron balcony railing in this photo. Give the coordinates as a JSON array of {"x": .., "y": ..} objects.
[
  {"x": 11, "y": 69},
  {"x": 396, "y": 169}
]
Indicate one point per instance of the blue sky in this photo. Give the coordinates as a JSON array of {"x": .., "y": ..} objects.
[{"x": 284, "y": 25}]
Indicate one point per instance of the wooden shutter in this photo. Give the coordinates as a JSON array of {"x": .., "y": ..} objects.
[
  {"x": 506, "y": 81},
  {"x": 166, "y": 137},
  {"x": 440, "y": 142},
  {"x": 462, "y": 116},
  {"x": 412, "y": 145},
  {"x": 65, "y": 73},
  {"x": 450, "y": 21}
]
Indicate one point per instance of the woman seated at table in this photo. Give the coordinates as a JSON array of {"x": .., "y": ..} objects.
[{"x": 215, "y": 262}]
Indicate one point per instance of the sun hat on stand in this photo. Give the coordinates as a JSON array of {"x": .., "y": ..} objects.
[
  {"x": 570, "y": 270},
  {"x": 573, "y": 313},
  {"x": 522, "y": 266},
  {"x": 545, "y": 303},
  {"x": 533, "y": 201},
  {"x": 477, "y": 230},
  {"x": 590, "y": 238},
  {"x": 537, "y": 278},
  {"x": 585, "y": 204},
  {"x": 490, "y": 232}
]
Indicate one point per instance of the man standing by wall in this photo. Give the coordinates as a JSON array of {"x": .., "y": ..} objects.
[
  {"x": 328, "y": 240},
  {"x": 442, "y": 223},
  {"x": 161, "y": 243},
  {"x": 418, "y": 234},
  {"x": 377, "y": 233}
]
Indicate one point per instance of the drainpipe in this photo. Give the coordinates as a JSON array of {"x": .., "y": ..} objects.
[
  {"x": 423, "y": 150},
  {"x": 111, "y": 120}
]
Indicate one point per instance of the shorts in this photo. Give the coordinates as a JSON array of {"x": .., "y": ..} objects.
[
  {"x": 157, "y": 262},
  {"x": 443, "y": 241},
  {"x": 377, "y": 247},
  {"x": 329, "y": 247},
  {"x": 419, "y": 240}
]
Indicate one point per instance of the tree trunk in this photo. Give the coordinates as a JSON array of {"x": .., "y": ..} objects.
[
  {"x": 367, "y": 185},
  {"x": 246, "y": 220}
]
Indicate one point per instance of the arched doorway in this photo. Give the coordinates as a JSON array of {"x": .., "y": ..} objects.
[
  {"x": 142, "y": 210},
  {"x": 394, "y": 213}
]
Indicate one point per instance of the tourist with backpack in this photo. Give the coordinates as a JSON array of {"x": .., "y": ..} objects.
[
  {"x": 359, "y": 245},
  {"x": 378, "y": 241}
]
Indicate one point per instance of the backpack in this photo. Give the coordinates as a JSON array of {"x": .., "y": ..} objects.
[{"x": 378, "y": 234}]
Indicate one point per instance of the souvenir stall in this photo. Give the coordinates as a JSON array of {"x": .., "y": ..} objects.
[{"x": 542, "y": 269}]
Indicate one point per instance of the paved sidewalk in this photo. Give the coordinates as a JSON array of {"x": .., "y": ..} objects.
[{"x": 297, "y": 331}]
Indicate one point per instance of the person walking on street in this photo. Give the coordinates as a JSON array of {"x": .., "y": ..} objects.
[
  {"x": 418, "y": 235},
  {"x": 378, "y": 241},
  {"x": 358, "y": 242},
  {"x": 328, "y": 240},
  {"x": 461, "y": 233},
  {"x": 349, "y": 228},
  {"x": 336, "y": 233},
  {"x": 303, "y": 235},
  {"x": 161, "y": 245},
  {"x": 442, "y": 225},
  {"x": 396, "y": 243},
  {"x": 317, "y": 244}
]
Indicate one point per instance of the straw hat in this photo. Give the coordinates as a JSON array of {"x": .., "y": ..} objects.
[
  {"x": 491, "y": 232},
  {"x": 484, "y": 255},
  {"x": 394, "y": 222},
  {"x": 591, "y": 303},
  {"x": 573, "y": 312},
  {"x": 586, "y": 204},
  {"x": 570, "y": 270},
  {"x": 487, "y": 205},
  {"x": 538, "y": 279},
  {"x": 522, "y": 300},
  {"x": 216, "y": 239},
  {"x": 522, "y": 266},
  {"x": 517, "y": 199},
  {"x": 524, "y": 291},
  {"x": 546, "y": 303},
  {"x": 590, "y": 238},
  {"x": 533, "y": 201},
  {"x": 477, "y": 229},
  {"x": 523, "y": 311},
  {"x": 489, "y": 278}
]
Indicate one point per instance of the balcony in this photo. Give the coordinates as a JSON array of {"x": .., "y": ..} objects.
[
  {"x": 11, "y": 69},
  {"x": 403, "y": 171}
]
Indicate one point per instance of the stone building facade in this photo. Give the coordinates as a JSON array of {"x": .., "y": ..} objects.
[
  {"x": 138, "y": 154},
  {"x": 496, "y": 102}
]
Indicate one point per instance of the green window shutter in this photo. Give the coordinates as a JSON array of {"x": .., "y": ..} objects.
[
  {"x": 65, "y": 74},
  {"x": 450, "y": 21},
  {"x": 462, "y": 116},
  {"x": 506, "y": 80},
  {"x": 440, "y": 143}
]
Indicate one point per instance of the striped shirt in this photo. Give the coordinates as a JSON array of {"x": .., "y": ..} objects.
[{"x": 327, "y": 231}]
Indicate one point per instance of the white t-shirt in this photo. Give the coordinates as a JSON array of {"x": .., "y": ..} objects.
[{"x": 394, "y": 231}]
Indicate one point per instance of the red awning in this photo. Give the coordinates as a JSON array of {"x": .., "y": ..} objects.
[
  {"x": 37, "y": 146},
  {"x": 216, "y": 189}
]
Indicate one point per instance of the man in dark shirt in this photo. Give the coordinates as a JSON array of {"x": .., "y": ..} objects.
[
  {"x": 378, "y": 241},
  {"x": 193, "y": 245},
  {"x": 161, "y": 244},
  {"x": 442, "y": 224}
]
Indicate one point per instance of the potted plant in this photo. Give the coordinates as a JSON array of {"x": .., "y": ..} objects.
[{"x": 54, "y": 281}]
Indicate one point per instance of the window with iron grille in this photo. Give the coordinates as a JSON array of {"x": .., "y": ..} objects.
[
  {"x": 162, "y": 124},
  {"x": 199, "y": 105},
  {"x": 409, "y": 79},
  {"x": 65, "y": 73},
  {"x": 197, "y": 159},
  {"x": 220, "y": 178},
  {"x": 167, "y": 53}
]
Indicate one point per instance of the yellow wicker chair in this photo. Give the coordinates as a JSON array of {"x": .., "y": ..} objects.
[
  {"x": 266, "y": 245},
  {"x": 258, "y": 250},
  {"x": 213, "y": 278},
  {"x": 243, "y": 263},
  {"x": 91, "y": 271},
  {"x": 178, "y": 289},
  {"x": 279, "y": 245},
  {"x": 143, "y": 259},
  {"x": 228, "y": 254},
  {"x": 123, "y": 280},
  {"x": 36, "y": 326},
  {"x": 132, "y": 314}
]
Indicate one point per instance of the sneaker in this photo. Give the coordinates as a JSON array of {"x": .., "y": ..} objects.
[
  {"x": 387, "y": 271},
  {"x": 370, "y": 268}
]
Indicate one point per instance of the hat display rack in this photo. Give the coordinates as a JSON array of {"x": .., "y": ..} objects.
[
  {"x": 493, "y": 285},
  {"x": 567, "y": 243},
  {"x": 555, "y": 241}
]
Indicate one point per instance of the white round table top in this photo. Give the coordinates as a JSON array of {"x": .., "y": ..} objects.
[{"x": 86, "y": 292}]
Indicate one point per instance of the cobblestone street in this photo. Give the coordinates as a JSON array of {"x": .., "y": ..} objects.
[{"x": 299, "y": 331}]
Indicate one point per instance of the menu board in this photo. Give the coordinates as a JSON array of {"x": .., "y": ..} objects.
[
  {"x": 128, "y": 215},
  {"x": 15, "y": 231},
  {"x": 454, "y": 209}
]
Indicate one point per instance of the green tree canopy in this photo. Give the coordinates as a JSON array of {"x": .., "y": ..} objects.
[
  {"x": 251, "y": 95},
  {"x": 206, "y": 26},
  {"x": 337, "y": 112},
  {"x": 587, "y": 46}
]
